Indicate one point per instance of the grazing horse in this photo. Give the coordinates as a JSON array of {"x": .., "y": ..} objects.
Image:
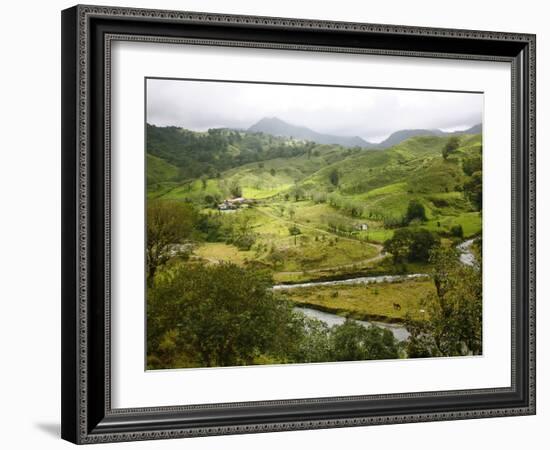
[{"x": 397, "y": 306}]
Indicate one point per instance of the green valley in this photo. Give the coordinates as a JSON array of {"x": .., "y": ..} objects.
[{"x": 297, "y": 211}]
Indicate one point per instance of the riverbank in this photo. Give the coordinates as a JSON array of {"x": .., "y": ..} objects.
[
  {"x": 400, "y": 332},
  {"x": 383, "y": 299}
]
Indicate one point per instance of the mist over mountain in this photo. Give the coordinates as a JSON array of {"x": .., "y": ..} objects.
[
  {"x": 476, "y": 129},
  {"x": 278, "y": 127}
]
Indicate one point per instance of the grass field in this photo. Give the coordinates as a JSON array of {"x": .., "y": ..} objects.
[{"x": 369, "y": 301}]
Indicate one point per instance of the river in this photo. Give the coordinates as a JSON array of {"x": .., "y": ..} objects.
[
  {"x": 357, "y": 280},
  {"x": 466, "y": 256},
  {"x": 400, "y": 333}
]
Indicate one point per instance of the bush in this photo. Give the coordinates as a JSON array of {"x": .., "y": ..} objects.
[
  {"x": 423, "y": 242},
  {"x": 407, "y": 244},
  {"x": 457, "y": 231},
  {"x": 352, "y": 341},
  {"x": 415, "y": 210},
  {"x": 245, "y": 242}
]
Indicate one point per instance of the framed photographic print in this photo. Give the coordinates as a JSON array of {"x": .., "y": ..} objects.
[{"x": 278, "y": 224}]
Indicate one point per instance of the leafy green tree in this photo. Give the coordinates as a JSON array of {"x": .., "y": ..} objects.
[
  {"x": 298, "y": 193},
  {"x": 243, "y": 234},
  {"x": 454, "y": 312},
  {"x": 291, "y": 212},
  {"x": 352, "y": 341},
  {"x": 314, "y": 344},
  {"x": 235, "y": 189},
  {"x": 471, "y": 165},
  {"x": 219, "y": 315},
  {"x": 422, "y": 244},
  {"x": 412, "y": 245},
  {"x": 276, "y": 258},
  {"x": 415, "y": 210},
  {"x": 450, "y": 147},
  {"x": 334, "y": 177},
  {"x": 473, "y": 189},
  {"x": 169, "y": 223},
  {"x": 399, "y": 244},
  {"x": 294, "y": 231},
  {"x": 457, "y": 231}
]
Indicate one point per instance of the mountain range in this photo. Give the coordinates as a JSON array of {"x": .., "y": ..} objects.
[{"x": 278, "y": 127}]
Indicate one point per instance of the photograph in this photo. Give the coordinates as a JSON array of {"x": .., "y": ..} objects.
[
  {"x": 300, "y": 223},
  {"x": 276, "y": 220}
]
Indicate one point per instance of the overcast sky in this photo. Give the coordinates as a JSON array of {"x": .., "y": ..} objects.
[{"x": 372, "y": 114}]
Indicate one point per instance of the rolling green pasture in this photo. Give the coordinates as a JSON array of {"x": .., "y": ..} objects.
[{"x": 368, "y": 301}]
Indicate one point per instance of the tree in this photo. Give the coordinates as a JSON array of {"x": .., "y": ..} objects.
[
  {"x": 415, "y": 210},
  {"x": 450, "y": 147},
  {"x": 218, "y": 315},
  {"x": 334, "y": 177},
  {"x": 471, "y": 165},
  {"x": 272, "y": 172},
  {"x": 454, "y": 311},
  {"x": 298, "y": 193},
  {"x": 457, "y": 231},
  {"x": 235, "y": 189},
  {"x": 277, "y": 258},
  {"x": 422, "y": 244},
  {"x": 169, "y": 223},
  {"x": 243, "y": 236},
  {"x": 314, "y": 344},
  {"x": 352, "y": 341},
  {"x": 294, "y": 231},
  {"x": 473, "y": 189},
  {"x": 291, "y": 212},
  {"x": 399, "y": 244},
  {"x": 411, "y": 245}
]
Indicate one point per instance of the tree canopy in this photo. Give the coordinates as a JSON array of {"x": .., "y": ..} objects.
[
  {"x": 411, "y": 245},
  {"x": 450, "y": 146},
  {"x": 225, "y": 315},
  {"x": 454, "y": 311},
  {"x": 415, "y": 210},
  {"x": 169, "y": 224}
]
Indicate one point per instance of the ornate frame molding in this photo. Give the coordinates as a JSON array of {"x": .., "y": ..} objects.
[{"x": 77, "y": 426}]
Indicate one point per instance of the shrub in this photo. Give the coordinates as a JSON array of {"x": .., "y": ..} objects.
[
  {"x": 415, "y": 210},
  {"x": 457, "y": 231}
]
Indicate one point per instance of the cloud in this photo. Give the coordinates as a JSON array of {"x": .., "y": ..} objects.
[{"x": 369, "y": 113}]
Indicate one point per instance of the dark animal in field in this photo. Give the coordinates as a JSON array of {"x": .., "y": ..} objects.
[{"x": 397, "y": 306}]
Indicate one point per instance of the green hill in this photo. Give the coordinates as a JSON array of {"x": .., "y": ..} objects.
[
  {"x": 159, "y": 171},
  {"x": 355, "y": 184}
]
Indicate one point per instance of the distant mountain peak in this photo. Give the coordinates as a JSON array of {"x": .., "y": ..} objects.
[
  {"x": 402, "y": 135},
  {"x": 278, "y": 127}
]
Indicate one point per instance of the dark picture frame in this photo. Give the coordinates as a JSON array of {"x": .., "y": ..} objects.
[{"x": 87, "y": 33}]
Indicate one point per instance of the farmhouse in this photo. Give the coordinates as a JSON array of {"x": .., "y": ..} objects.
[
  {"x": 362, "y": 227},
  {"x": 231, "y": 204}
]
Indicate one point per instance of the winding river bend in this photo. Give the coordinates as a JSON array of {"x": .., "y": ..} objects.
[
  {"x": 357, "y": 280},
  {"x": 400, "y": 333},
  {"x": 466, "y": 256}
]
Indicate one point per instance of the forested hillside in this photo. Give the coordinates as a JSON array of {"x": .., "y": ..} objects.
[{"x": 313, "y": 231}]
